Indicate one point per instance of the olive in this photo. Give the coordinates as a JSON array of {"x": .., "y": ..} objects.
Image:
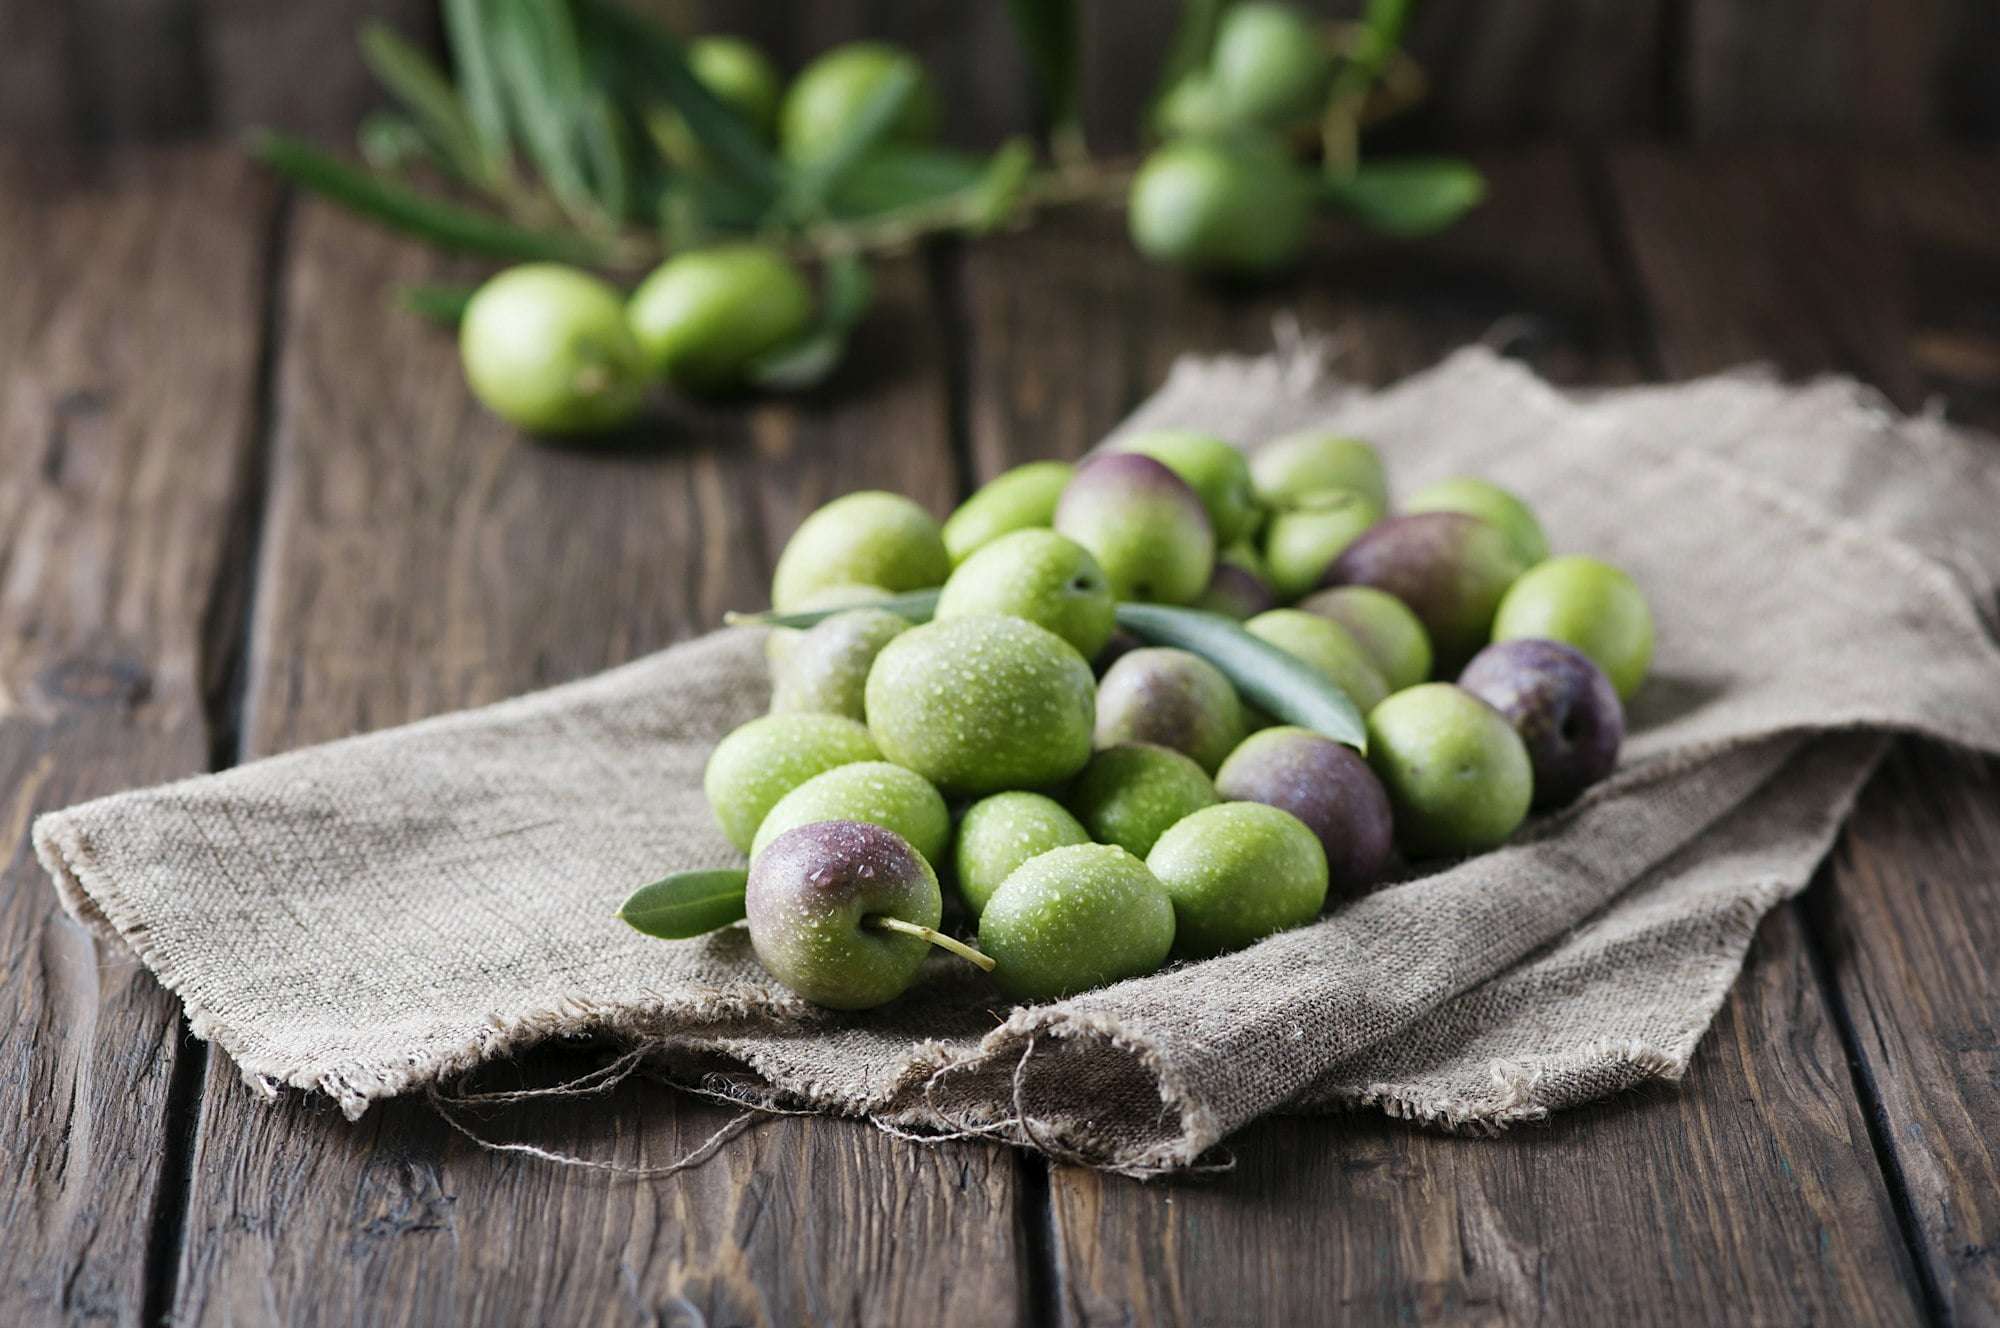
[
  {"x": 830, "y": 92},
  {"x": 546, "y": 347},
  {"x": 1241, "y": 207},
  {"x": 703, "y": 316},
  {"x": 740, "y": 77},
  {"x": 1268, "y": 65}
]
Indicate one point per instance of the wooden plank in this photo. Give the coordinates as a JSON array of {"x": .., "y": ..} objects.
[
  {"x": 419, "y": 557},
  {"x": 1892, "y": 272},
  {"x": 140, "y": 62},
  {"x": 1496, "y": 71},
  {"x": 1749, "y": 256},
  {"x": 35, "y": 87},
  {"x": 1750, "y": 1194},
  {"x": 1071, "y": 330},
  {"x": 1873, "y": 69},
  {"x": 128, "y": 368},
  {"x": 1595, "y": 69},
  {"x": 1745, "y": 1196},
  {"x": 1907, "y": 915},
  {"x": 295, "y": 66}
]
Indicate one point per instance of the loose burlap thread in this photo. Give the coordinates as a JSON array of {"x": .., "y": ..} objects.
[{"x": 382, "y": 914}]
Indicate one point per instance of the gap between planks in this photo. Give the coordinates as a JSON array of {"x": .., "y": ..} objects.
[
  {"x": 1040, "y": 1272},
  {"x": 225, "y": 643}
]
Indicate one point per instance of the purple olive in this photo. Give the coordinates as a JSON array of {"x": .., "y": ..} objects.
[
  {"x": 1235, "y": 591},
  {"x": 1450, "y": 568},
  {"x": 811, "y": 894},
  {"x": 1170, "y": 698},
  {"x": 1562, "y": 705},
  {"x": 1325, "y": 785}
]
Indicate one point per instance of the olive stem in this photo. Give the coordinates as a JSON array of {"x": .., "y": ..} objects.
[{"x": 934, "y": 936}]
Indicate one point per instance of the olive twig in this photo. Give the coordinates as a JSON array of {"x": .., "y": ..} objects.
[
  {"x": 888, "y": 232},
  {"x": 885, "y": 922}
]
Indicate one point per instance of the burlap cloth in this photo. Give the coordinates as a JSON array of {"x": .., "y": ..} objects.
[{"x": 365, "y": 918}]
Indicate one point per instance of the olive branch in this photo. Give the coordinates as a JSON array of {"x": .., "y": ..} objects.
[{"x": 581, "y": 132}]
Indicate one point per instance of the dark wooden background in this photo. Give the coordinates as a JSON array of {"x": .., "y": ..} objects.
[
  {"x": 1877, "y": 71},
  {"x": 214, "y": 548}
]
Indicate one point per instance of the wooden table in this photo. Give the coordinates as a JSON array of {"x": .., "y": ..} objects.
[{"x": 245, "y": 506}]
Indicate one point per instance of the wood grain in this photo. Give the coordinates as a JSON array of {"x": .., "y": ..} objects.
[
  {"x": 1070, "y": 330},
  {"x": 1869, "y": 69},
  {"x": 1747, "y": 1195},
  {"x": 1750, "y": 1194},
  {"x": 128, "y": 368},
  {"x": 1891, "y": 274},
  {"x": 296, "y": 66},
  {"x": 1901, "y": 70},
  {"x": 419, "y": 556}
]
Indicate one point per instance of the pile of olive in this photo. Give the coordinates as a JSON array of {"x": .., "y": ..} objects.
[{"x": 1101, "y": 804}]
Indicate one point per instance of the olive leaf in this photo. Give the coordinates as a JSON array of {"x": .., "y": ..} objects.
[
  {"x": 467, "y": 30},
  {"x": 1407, "y": 196},
  {"x": 846, "y": 290},
  {"x": 650, "y": 63},
  {"x": 1049, "y": 31},
  {"x": 917, "y": 606},
  {"x": 687, "y": 904},
  {"x": 541, "y": 75},
  {"x": 993, "y": 197},
  {"x": 1275, "y": 682},
  {"x": 442, "y": 304},
  {"x": 894, "y": 177},
  {"x": 433, "y": 104},
  {"x": 406, "y": 209}
]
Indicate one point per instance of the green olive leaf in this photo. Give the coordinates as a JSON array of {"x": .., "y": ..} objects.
[
  {"x": 917, "y": 606},
  {"x": 1408, "y": 196},
  {"x": 406, "y": 209},
  {"x": 649, "y": 63},
  {"x": 442, "y": 304},
  {"x": 992, "y": 200},
  {"x": 687, "y": 904},
  {"x": 541, "y": 76},
  {"x": 1049, "y": 31},
  {"x": 894, "y": 177},
  {"x": 1267, "y": 677},
  {"x": 433, "y": 104},
  {"x": 467, "y": 26}
]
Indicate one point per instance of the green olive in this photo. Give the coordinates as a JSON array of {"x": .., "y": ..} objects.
[
  {"x": 546, "y": 347},
  {"x": 830, "y": 91},
  {"x": 1269, "y": 66},
  {"x": 739, "y": 76},
  {"x": 703, "y": 316},
  {"x": 1241, "y": 207}
]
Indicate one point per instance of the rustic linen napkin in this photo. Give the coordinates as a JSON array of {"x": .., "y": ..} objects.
[{"x": 366, "y": 918}]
